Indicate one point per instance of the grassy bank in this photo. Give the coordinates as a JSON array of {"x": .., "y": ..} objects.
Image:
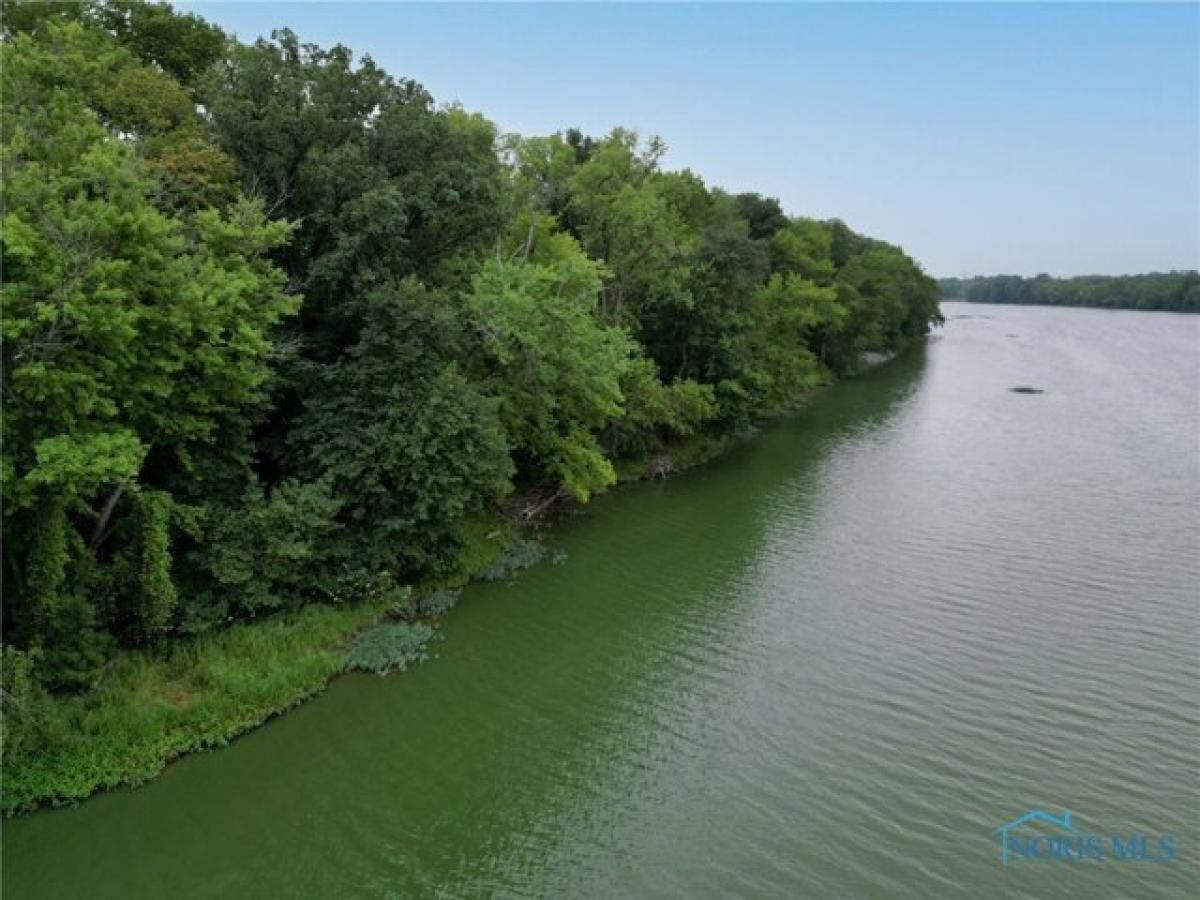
[{"x": 150, "y": 708}]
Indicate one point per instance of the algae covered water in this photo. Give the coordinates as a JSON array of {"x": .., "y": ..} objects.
[{"x": 831, "y": 663}]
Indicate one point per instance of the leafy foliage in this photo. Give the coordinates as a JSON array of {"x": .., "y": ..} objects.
[
  {"x": 265, "y": 552},
  {"x": 135, "y": 337},
  {"x": 407, "y": 443},
  {"x": 556, "y": 367}
]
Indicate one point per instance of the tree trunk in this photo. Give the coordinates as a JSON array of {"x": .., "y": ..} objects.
[{"x": 105, "y": 514}]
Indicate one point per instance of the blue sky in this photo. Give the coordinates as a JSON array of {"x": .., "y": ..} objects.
[{"x": 1017, "y": 138}]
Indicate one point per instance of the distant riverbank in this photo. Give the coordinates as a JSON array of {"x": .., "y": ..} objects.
[{"x": 1155, "y": 291}]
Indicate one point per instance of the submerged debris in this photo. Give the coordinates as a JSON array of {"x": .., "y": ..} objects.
[{"x": 660, "y": 467}]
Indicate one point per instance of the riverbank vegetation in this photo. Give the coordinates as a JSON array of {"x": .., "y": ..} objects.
[
  {"x": 280, "y": 333},
  {"x": 1165, "y": 291}
]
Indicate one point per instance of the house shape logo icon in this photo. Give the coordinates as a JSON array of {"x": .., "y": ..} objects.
[{"x": 1034, "y": 815}]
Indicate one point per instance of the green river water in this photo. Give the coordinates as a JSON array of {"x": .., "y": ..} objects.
[{"x": 828, "y": 664}]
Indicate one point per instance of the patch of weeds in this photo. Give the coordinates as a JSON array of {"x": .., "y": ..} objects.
[
  {"x": 436, "y": 604},
  {"x": 389, "y": 645},
  {"x": 519, "y": 555}
]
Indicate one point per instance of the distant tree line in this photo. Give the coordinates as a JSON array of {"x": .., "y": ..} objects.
[
  {"x": 275, "y": 324},
  {"x": 1169, "y": 291}
]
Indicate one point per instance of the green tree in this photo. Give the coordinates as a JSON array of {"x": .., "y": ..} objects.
[
  {"x": 407, "y": 444},
  {"x": 803, "y": 247},
  {"x": 131, "y": 335},
  {"x": 764, "y": 216},
  {"x": 182, "y": 45},
  {"x": 556, "y": 368},
  {"x": 382, "y": 184},
  {"x": 793, "y": 318}
]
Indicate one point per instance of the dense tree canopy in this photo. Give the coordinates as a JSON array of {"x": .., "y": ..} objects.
[
  {"x": 137, "y": 339},
  {"x": 276, "y": 325}
]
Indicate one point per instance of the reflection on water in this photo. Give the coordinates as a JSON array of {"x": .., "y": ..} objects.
[{"x": 828, "y": 664}]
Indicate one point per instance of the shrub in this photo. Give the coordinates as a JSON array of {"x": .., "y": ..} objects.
[
  {"x": 389, "y": 645},
  {"x": 437, "y": 603},
  {"x": 519, "y": 556}
]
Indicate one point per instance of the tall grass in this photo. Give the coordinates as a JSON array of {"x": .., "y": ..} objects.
[{"x": 150, "y": 708}]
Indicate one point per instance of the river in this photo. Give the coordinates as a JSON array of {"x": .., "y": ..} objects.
[{"x": 829, "y": 664}]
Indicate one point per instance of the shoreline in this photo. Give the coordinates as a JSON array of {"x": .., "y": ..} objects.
[
  {"x": 255, "y": 671},
  {"x": 1137, "y": 309}
]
